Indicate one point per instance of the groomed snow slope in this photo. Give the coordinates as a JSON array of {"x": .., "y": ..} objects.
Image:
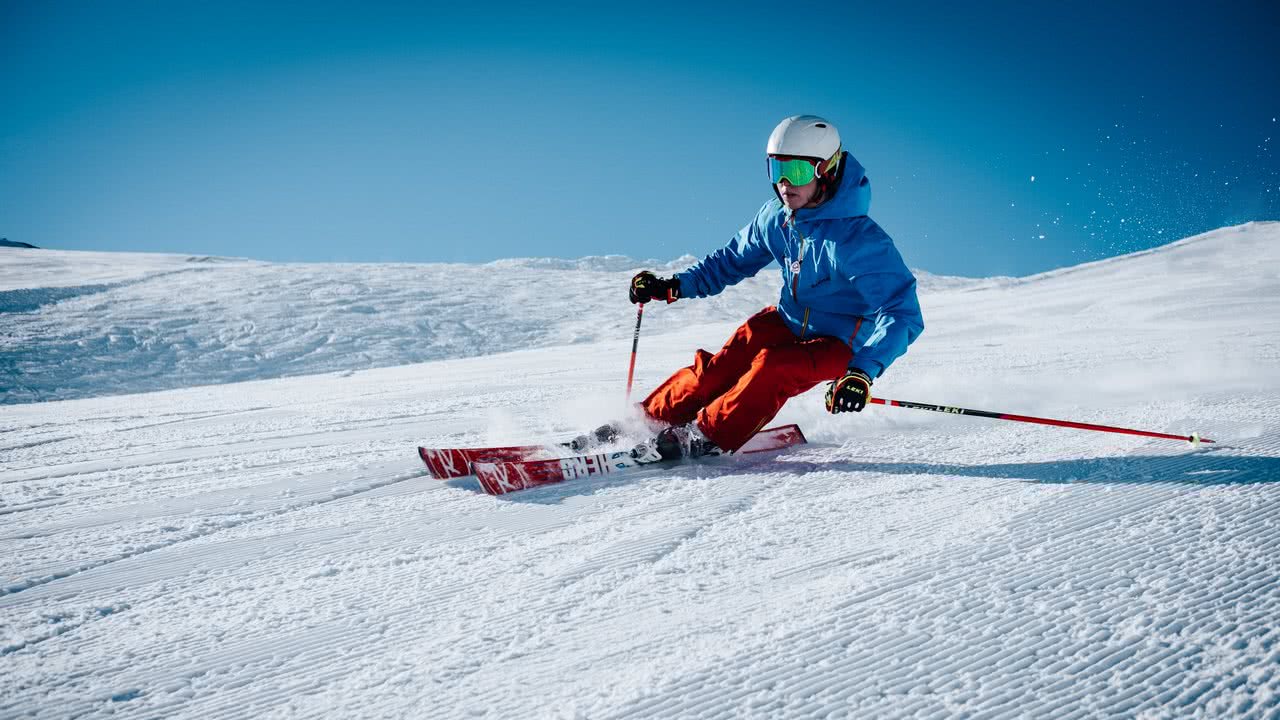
[{"x": 273, "y": 549}]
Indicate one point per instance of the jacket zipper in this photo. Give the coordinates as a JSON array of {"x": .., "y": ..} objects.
[{"x": 795, "y": 281}]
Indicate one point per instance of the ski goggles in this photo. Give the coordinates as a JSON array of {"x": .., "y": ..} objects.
[{"x": 797, "y": 171}]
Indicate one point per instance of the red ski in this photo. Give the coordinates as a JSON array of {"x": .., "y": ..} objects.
[
  {"x": 446, "y": 463},
  {"x": 498, "y": 477}
]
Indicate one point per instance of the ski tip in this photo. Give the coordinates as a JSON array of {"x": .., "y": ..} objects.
[
  {"x": 484, "y": 470},
  {"x": 792, "y": 433},
  {"x": 425, "y": 455},
  {"x": 774, "y": 438},
  {"x": 800, "y": 438},
  {"x": 445, "y": 464}
]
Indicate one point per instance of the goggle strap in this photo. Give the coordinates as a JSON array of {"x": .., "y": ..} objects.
[{"x": 833, "y": 162}]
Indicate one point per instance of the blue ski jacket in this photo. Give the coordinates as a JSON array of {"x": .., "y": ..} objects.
[{"x": 842, "y": 276}]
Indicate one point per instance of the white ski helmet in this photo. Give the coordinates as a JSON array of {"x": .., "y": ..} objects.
[{"x": 805, "y": 136}]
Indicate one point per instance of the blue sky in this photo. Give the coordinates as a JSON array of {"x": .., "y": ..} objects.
[{"x": 415, "y": 132}]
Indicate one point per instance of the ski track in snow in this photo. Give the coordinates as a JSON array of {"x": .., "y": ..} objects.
[{"x": 274, "y": 548}]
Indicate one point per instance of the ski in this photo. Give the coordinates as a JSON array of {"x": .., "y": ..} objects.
[
  {"x": 499, "y": 477},
  {"x": 449, "y": 463}
]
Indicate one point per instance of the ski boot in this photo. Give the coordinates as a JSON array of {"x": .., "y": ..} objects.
[
  {"x": 606, "y": 434},
  {"x": 676, "y": 443}
]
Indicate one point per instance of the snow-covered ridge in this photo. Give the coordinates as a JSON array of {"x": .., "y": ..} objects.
[
  {"x": 84, "y": 324},
  {"x": 23, "y": 269},
  {"x": 1236, "y": 245},
  {"x": 592, "y": 263}
]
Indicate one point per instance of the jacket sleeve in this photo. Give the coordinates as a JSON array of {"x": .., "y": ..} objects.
[
  {"x": 882, "y": 278},
  {"x": 744, "y": 256}
]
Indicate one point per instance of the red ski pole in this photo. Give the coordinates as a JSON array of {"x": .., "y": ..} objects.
[
  {"x": 1193, "y": 438},
  {"x": 635, "y": 343}
]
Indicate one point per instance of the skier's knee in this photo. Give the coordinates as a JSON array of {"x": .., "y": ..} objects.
[{"x": 774, "y": 357}]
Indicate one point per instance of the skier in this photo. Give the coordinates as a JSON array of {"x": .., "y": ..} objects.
[{"x": 846, "y": 311}]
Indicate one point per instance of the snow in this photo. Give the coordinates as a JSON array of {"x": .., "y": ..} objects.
[
  {"x": 273, "y": 548},
  {"x": 86, "y": 324}
]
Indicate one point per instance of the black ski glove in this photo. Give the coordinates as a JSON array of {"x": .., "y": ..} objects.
[
  {"x": 850, "y": 393},
  {"x": 646, "y": 286}
]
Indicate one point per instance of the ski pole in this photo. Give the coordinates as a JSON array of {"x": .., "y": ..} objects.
[
  {"x": 635, "y": 343},
  {"x": 1193, "y": 438}
]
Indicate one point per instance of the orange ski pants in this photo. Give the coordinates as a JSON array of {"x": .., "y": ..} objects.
[{"x": 733, "y": 393}]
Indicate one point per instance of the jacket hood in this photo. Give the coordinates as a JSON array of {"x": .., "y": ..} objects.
[{"x": 852, "y": 197}]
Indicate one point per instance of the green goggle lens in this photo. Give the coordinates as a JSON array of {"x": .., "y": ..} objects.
[{"x": 796, "y": 172}]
